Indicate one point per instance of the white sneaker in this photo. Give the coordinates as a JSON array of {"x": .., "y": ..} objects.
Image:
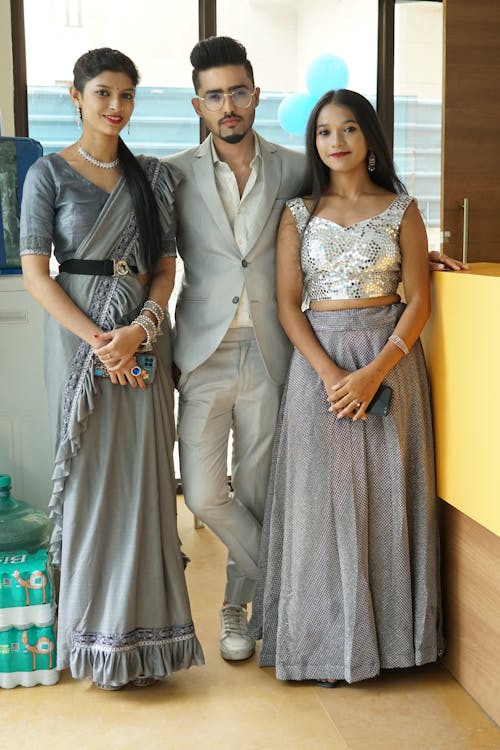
[{"x": 235, "y": 643}]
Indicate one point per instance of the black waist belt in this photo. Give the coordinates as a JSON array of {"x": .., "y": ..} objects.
[{"x": 98, "y": 267}]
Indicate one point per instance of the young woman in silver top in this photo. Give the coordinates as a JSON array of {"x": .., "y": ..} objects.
[{"x": 349, "y": 581}]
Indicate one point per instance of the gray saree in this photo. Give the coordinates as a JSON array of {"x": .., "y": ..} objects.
[{"x": 123, "y": 605}]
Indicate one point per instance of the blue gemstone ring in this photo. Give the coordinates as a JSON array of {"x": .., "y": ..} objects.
[{"x": 136, "y": 371}]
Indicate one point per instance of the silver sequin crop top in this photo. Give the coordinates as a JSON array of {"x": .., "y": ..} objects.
[{"x": 354, "y": 262}]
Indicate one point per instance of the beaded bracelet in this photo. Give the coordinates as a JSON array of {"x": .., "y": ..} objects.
[
  {"x": 156, "y": 309},
  {"x": 153, "y": 307},
  {"x": 150, "y": 330},
  {"x": 398, "y": 341}
]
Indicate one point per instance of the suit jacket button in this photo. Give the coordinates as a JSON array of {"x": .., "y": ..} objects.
[
  {"x": 236, "y": 300},
  {"x": 244, "y": 263}
]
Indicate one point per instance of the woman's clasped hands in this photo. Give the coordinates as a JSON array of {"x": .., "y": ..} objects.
[
  {"x": 116, "y": 350},
  {"x": 351, "y": 395}
]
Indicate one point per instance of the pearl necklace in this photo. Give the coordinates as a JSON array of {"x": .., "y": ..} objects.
[{"x": 96, "y": 162}]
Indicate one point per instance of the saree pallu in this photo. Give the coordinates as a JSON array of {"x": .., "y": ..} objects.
[
  {"x": 348, "y": 579},
  {"x": 123, "y": 605}
]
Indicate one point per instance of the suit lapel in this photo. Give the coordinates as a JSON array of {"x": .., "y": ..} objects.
[
  {"x": 270, "y": 184},
  {"x": 203, "y": 170}
]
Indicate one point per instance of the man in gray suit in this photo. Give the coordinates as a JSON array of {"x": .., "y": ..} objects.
[{"x": 229, "y": 347}]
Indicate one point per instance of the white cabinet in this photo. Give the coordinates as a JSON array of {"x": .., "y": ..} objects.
[{"x": 25, "y": 446}]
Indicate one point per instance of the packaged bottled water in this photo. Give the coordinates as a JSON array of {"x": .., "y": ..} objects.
[{"x": 27, "y": 597}]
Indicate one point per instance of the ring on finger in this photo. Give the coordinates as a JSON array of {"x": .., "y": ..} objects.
[{"x": 357, "y": 403}]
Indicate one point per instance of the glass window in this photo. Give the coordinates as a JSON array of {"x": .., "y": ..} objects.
[
  {"x": 59, "y": 31},
  {"x": 417, "y": 105},
  {"x": 296, "y": 46}
]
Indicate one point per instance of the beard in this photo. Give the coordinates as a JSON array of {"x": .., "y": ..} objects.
[
  {"x": 233, "y": 138},
  {"x": 233, "y": 135}
]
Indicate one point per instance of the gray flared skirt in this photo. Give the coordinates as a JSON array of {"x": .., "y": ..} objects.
[
  {"x": 349, "y": 580},
  {"x": 123, "y": 605}
]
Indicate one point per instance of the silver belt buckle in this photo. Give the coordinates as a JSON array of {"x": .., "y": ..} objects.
[{"x": 120, "y": 267}]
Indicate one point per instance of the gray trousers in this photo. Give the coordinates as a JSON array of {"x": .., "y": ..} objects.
[{"x": 230, "y": 391}]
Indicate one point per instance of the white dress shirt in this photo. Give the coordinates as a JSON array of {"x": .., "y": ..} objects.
[{"x": 241, "y": 213}]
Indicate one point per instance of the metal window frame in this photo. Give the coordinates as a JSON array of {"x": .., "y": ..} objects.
[
  {"x": 385, "y": 68},
  {"x": 19, "y": 67},
  {"x": 207, "y": 26}
]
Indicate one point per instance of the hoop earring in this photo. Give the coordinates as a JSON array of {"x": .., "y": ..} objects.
[
  {"x": 372, "y": 160},
  {"x": 78, "y": 111}
]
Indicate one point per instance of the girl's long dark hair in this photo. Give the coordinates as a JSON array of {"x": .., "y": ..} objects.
[
  {"x": 87, "y": 67},
  {"x": 366, "y": 117}
]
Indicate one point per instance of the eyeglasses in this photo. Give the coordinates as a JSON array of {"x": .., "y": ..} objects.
[{"x": 214, "y": 100}]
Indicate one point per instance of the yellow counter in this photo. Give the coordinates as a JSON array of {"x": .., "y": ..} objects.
[{"x": 462, "y": 346}]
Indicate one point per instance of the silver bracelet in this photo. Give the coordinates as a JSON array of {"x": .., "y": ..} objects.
[
  {"x": 149, "y": 328},
  {"x": 155, "y": 309},
  {"x": 398, "y": 341}
]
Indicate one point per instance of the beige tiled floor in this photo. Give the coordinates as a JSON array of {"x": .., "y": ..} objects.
[{"x": 242, "y": 707}]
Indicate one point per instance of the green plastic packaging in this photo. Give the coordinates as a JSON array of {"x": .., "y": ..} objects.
[
  {"x": 26, "y": 589},
  {"x": 28, "y": 657}
]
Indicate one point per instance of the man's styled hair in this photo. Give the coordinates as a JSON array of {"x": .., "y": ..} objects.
[{"x": 215, "y": 52}]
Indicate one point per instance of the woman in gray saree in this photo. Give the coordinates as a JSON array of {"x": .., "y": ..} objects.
[{"x": 124, "y": 614}]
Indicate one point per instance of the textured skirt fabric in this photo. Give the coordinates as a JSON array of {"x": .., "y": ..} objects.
[
  {"x": 349, "y": 581},
  {"x": 123, "y": 604}
]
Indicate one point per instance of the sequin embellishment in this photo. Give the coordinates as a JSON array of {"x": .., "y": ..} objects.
[{"x": 354, "y": 262}]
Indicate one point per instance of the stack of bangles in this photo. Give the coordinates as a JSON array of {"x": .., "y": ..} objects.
[
  {"x": 398, "y": 341},
  {"x": 151, "y": 330}
]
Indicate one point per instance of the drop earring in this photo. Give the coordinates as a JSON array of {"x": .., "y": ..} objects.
[
  {"x": 128, "y": 128},
  {"x": 78, "y": 111},
  {"x": 372, "y": 160}
]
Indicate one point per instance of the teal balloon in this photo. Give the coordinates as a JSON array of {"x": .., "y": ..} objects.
[
  {"x": 294, "y": 111},
  {"x": 326, "y": 72}
]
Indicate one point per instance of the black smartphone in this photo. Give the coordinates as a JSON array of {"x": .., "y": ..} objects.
[{"x": 379, "y": 405}]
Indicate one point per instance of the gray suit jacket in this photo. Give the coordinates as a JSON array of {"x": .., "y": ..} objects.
[{"x": 214, "y": 269}]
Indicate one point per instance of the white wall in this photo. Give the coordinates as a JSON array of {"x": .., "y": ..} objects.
[{"x": 25, "y": 451}]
